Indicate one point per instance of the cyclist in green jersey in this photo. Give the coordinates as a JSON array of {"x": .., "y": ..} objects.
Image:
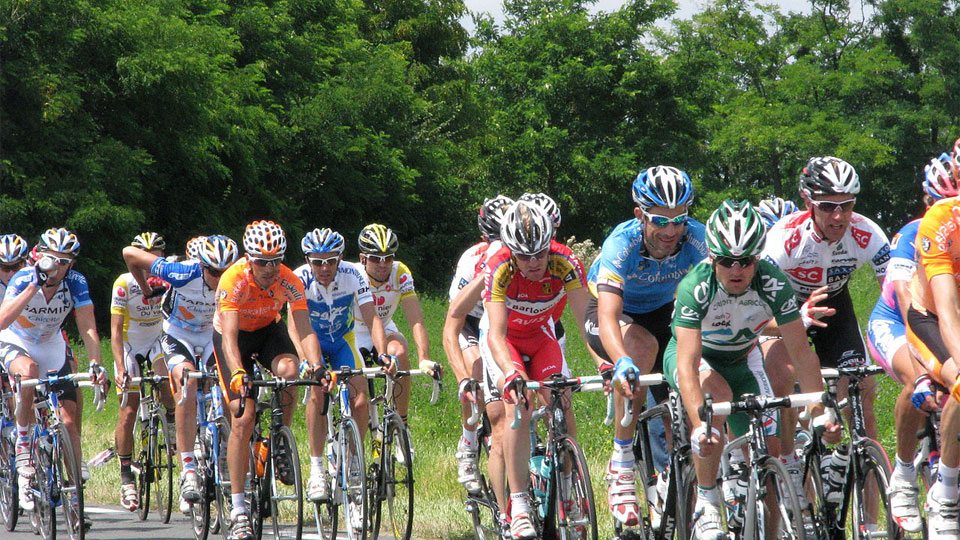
[{"x": 722, "y": 306}]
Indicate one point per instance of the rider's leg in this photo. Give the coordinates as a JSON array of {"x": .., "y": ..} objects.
[{"x": 397, "y": 346}]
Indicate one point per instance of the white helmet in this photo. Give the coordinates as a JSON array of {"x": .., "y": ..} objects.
[
  {"x": 264, "y": 239},
  {"x": 218, "y": 251},
  {"x": 526, "y": 229},
  {"x": 829, "y": 176}
]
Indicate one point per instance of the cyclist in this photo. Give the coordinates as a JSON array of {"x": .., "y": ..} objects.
[
  {"x": 722, "y": 306},
  {"x": 13, "y": 257},
  {"x": 628, "y": 316},
  {"x": 773, "y": 209},
  {"x": 332, "y": 288},
  {"x": 192, "y": 249},
  {"x": 461, "y": 344},
  {"x": 134, "y": 331},
  {"x": 933, "y": 328},
  {"x": 250, "y": 296},
  {"x": 35, "y": 306},
  {"x": 818, "y": 250},
  {"x": 523, "y": 282},
  {"x": 188, "y": 312},
  {"x": 887, "y": 341}
]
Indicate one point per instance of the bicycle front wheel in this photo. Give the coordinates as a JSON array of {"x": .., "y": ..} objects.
[
  {"x": 67, "y": 474},
  {"x": 772, "y": 504},
  {"x": 397, "y": 476},
  {"x": 871, "y": 507},
  {"x": 142, "y": 465},
  {"x": 286, "y": 499},
  {"x": 221, "y": 476},
  {"x": 352, "y": 477},
  {"x": 575, "y": 512},
  {"x": 163, "y": 462},
  {"x": 45, "y": 495},
  {"x": 9, "y": 503},
  {"x": 819, "y": 518},
  {"x": 200, "y": 511}
]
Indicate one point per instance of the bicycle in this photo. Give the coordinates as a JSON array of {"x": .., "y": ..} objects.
[
  {"x": 153, "y": 463},
  {"x": 668, "y": 497},
  {"x": 559, "y": 504},
  {"x": 390, "y": 477},
  {"x": 768, "y": 486},
  {"x": 866, "y": 462},
  {"x": 274, "y": 495},
  {"x": 56, "y": 481},
  {"x": 9, "y": 491},
  {"x": 484, "y": 510}
]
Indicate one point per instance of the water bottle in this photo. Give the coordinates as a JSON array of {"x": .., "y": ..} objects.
[
  {"x": 734, "y": 487},
  {"x": 260, "y": 452},
  {"x": 377, "y": 443},
  {"x": 834, "y": 469},
  {"x": 656, "y": 495},
  {"x": 331, "y": 456}
]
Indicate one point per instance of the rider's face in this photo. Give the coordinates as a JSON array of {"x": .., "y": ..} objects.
[
  {"x": 324, "y": 266},
  {"x": 735, "y": 278},
  {"x": 661, "y": 238},
  {"x": 64, "y": 262},
  {"x": 831, "y": 214}
]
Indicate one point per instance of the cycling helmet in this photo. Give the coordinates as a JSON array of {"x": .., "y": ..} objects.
[
  {"x": 662, "y": 186},
  {"x": 940, "y": 177},
  {"x": 491, "y": 214},
  {"x": 771, "y": 210},
  {"x": 546, "y": 204},
  {"x": 60, "y": 240},
  {"x": 193, "y": 247},
  {"x": 322, "y": 241},
  {"x": 526, "y": 229},
  {"x": 829, "y": 176},
  {"x": 149, "y": 241},
  {"x": 13, "y": 248},
  {"x": 264, "y": 239},
  {"x": 376, "y": 239},
  {"x": 218, "y": 251},
  {"x": 735, "y": 230}
]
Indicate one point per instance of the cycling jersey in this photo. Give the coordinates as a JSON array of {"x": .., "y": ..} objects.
[
  {"x": 886, "y": 330},
  {"x": 388, "y": 295},
  {"x": 41, "y": 320},
  {"x": 331, "y": 307},
  {"x": 530, "y": 304},
  {"x": 466, "y": 272},
  {"x": 141, "y": 317},
  {"x": 645, "y": 283},
  {"x": 191, "y": 303},
  {"x": 939, "y": 251},
  {"x": 731, "y": 324},
  {"x": 811, "y": 261},
  {"x": 257, "y": 308}
]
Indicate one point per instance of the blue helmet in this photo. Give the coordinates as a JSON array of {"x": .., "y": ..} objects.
[
  {"x": 218, "y": 251},
  {"x": 664, "y": 186},
  {"x": 771, "y": 210},
  {"x": 60, "y": 240},
  {"x": 322, "y": 241},
  {"x": 13, "y": 248}
]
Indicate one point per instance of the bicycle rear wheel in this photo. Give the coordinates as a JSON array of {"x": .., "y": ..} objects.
[
  {"x": 874, "y": 467},
  {"x": 44, "y": 495},
  {"x": 819, "y": 517},
  {"x": 9, "y": 501},
  {"x": 221, "y": 476},
  {"x": 163, "y": 465},
  {"x": 574, "y": 511},
  {"x": 351, "y": 474},
  {"x": 775, "y": 507},
  {"x": 200, "y": 511},
  {"x": 67, "y": 474},
  {"x": 286, "y": 500}
]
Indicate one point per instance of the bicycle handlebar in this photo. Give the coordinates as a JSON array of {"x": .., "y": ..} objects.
[
  {"x": 473, "y": 387},
  {"x": 80, "y": 380},
  {"x": 759, "y": 403},
  {"x": 652, "y": 379},
  {"x": 592, "y": 383}
]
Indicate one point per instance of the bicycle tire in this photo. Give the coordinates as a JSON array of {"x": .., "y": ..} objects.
[
  {"x": 397, "y": 474},
  {"x": 163, "y": 463},
  {"x": 222, "y": 479},
  {"x": 257, "y": 495},
  {"x": 822, "y": 516},
  {"x": 200, "y": 511},
  {"x": 484, "y": 512},
  {"x": 771, "y": 477},
  {"x": 9, "y": 498},
  {"x": 44, "y": 498},
  {"x": 686, "y": 498},
  {"x": 286, "y": 519},
  {"x": 351, "y": 474},
  {"x": 142, "y": 465},
  {"x": 874, "y": 465},
  {"x": 575, "y": 512},
  {"x": 325, "y": 517},
  {"x": 71, "y": 485}
]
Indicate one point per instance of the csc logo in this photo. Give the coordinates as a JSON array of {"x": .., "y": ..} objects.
[{"x": 809, "y": 275}]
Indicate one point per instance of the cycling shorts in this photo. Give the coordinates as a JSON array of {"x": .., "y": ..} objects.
[
  {"x": 657, "y": 322},
  {"x": 470, "y": 333},
  {"x": 885, "y": 336},
  {"x": 48, "y": 355},
  {"x": 364, "y": 340},
  {"x": 538, "y": 355},
  {"x": 150, "y": 352},
  {"x": 342, "y": 353},
  {"x": 923, "y": 334},
  {"x": 745, "y": 376},
  {"x": 840, "y": 344},
  {"x": 265, "y": 343}
]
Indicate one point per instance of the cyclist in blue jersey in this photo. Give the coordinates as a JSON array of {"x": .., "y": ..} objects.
[
  {"x": 887, "y": 343},
  {"x": 332, "y": 286},
  {"x": 35, "y": 307},
  {"x": 188, "y": 310},
  {"x": 774, "y": 208},
  {"x": 628, "y": 317}
]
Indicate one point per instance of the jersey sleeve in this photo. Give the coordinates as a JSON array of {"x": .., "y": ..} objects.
[
  {"x": 118, "y": 299},
  {"x": 176, "y": 273},
  {"x": 230, "y": 288},
  {"x": 293, "y": 290},
  {"x": 405, "y": 281},
  {"x": 572, "y": 273},
  {"x": 496, "y": 279},
  {"x": 693, "y": 299},
  {"x": 610, "y": 266},
  {"x": 879, "y": 250},
  {"x": 903, "y": 253},
  {"x": 18, "y": 283},
  {"x": 773, "y": 247},
  {"x": 936, "y": 229},
  {"x": 79, "y": 290},
  {"x": 363, "y": 295}
]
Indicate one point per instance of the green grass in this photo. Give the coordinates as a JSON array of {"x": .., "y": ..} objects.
[{"x": 439, "y": 498}]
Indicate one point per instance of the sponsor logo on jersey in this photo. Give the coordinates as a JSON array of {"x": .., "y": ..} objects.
[
  {"x": 545, "y": 288},
  {"x": 772, "y": 284},
  {"x": 809, "y": 275},
  {"x": 839, "y": 273},
  {"x": 687, "y": 312},
  {"x": 882, "y": 256},
  {"x": 861, "y": 236},
  {"x": 121, "y": 292},
  {"x": 793, "y": 241},
  {"x": 789, "y": 306},
  {"x": 701, "y": 293},
  {"x": 724, "y": 323},
  {"x": 402, "y": 280},
  {"x": 895, "y": 241}
]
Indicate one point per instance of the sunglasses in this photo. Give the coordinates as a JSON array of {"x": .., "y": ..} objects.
[
  {"x": 266, "y": 262},
  {"x": 730, "y": 262},
  {"x": 535, "y": 257},
  {"x": 662, "y": 221},
  {"x": 62, "y": 261},
  {"x": 215, "y": 272},
  {"x": 830, "y": 207},
  {"x": 329, "y": 261},
  {"x": 379, "y": 258}
]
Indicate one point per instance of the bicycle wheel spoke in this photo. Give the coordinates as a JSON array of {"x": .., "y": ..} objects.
[
  {"x": 575, "y": 512},
  {"x": 71, "y": 486},
  {"x": 777, "y": 507},
  {"x": 352, "y": 475},
  {"x": 871, "y": 510},
  {"x": 286, "y": 498},
  {"x": 398, "y": 479}
]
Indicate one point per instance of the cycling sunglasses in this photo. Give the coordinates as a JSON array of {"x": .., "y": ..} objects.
[
  {"x": 662, "y": 221},
  {"x": 214, "y": 271},
  {"x": 266, "y": 262},
  {"x": 62, "y": 261},
  {"x": 380, "y": 258},
  {"x": 830, "y": 207},
  {"x": 534, "y": 257},
  {"x": 329, "y": 261},
  {"x": 730, "y": 262}
]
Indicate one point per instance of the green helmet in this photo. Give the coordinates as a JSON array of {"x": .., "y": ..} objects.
[{"x": 735, "y": 230}]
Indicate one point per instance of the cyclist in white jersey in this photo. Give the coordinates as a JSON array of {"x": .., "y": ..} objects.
[
  {"x": 134, "y": 331},
  {"x": 460, "y": 342},
  {"x": 391, "y": 284},
  {"x": 188, "y": 309},
  {"x": 36, "y": 304}
]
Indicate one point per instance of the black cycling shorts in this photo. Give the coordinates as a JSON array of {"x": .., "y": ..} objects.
[
  {"x": 840, "y": 344},
  {"x": 265, "y": 344},
  {"x": 926, "y": 327},
  {"x": 470, "y": 333}
]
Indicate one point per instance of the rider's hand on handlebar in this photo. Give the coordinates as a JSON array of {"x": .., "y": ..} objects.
[
  {"x": 465, "y": 393},
  {"x": 389, "y": 362},
  {"x": 825, "y": 423},
  {"x": 431, "y": 368},
  {"x": 238, "y": 381},
  {"x": 924, "y": 395},
  {"x": 606, "y": 371},
  {"x": 514, "y": 386},
  {"x": 624, "y": 366},
  {"x": 703, "y": 445},
  {"x": 97, "y": 374}
]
